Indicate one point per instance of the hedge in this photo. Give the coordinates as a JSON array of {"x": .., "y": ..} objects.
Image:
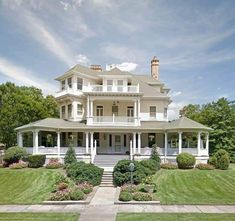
[{"x": 36, "y": 161}]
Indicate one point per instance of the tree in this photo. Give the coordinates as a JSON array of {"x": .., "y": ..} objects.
[
  {"x": 21, "y": 105},
  {"x": 70, "y": 156},
  {"x": 220, "y": 116}
]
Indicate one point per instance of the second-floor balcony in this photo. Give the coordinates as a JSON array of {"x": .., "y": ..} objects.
[{"x": 112, "y": 88}]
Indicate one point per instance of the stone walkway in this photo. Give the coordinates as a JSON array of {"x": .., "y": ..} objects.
[{"x": 102, "y": 207}]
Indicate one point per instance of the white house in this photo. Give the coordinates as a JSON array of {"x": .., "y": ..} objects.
[{"x": 112, "y": 115}]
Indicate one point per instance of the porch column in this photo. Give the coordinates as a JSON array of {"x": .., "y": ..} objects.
[
  {"x": 166, "y": 144},
  {"x": 207, "y": 143},
  {"x": 135, "y": 111},
  {"x": 139, "y": 143},
  {"x": 91, "y": 108},
  {"x": 87, "y": 107},
  {"x": 20, "y": 139},
  {"x": 180, "y": 142},
  {"x": 92, "y": 140},
  {"x": 58, "y": 143},
  {"x": 87, "y": 142},
  {"x": 35, "y": 142},
  {"x": 134, "y": 142},
  {"x": 138, "y": 112},
  {"x": 198, "y": 143}
]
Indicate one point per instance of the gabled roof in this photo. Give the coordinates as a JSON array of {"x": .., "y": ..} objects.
[{"x": 186, "y": 123}]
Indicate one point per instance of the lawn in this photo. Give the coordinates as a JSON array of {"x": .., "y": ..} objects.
[
  {"x": 39, "y": 216},
  {"x": 196, "y": 186},
  {"x": 174, "y": 216},
  {"x": 25, "y": 186}
]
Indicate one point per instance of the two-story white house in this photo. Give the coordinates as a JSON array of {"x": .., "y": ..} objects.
[{"x": 114, "y": 114}]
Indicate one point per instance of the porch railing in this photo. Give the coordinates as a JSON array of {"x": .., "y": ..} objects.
[
  {"x": 113, "y": 120},
  {"x": 111, "y": 88}
]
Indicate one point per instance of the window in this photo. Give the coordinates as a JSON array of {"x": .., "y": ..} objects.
[
  {"x": 80, "y": 139},
  {"x": 152, "y": 111},
  {"x": 63, "y": 112},
  {"x": 109, "y": 85},
  {"x": 79, "y": 83},
  {"x": 120, "y": 85},
  {"x": 165, "y": 112},
  {"x": 110, "y": 140},
  {"x": 63, "y": 85},
  {"x": 151, "y": 139},
  {"x": 115, "y": 110},
  {"x": 79, "y": 109},
  {"x": 70, "y": 82},
  {"x": 99, "y": 111},
  {"x": 69, "y": 110}
]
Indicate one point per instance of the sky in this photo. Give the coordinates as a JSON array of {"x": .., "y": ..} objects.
[{"x": 193, "y": 39}]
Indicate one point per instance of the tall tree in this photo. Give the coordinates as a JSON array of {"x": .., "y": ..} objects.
[
  {"x": 22, "y": 105},
  {"x": 220, "y": 116}
]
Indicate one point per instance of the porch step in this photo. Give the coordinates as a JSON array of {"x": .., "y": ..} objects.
[
  {"x": 108, "y": 160},
  {"x": 107, "y": 179}
]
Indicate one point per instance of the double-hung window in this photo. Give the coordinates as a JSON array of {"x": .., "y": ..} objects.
[
  {"x": 79, "y": 83},
  {"x": 69, "y": 110},
  {"x": 63, "y": 85},
  {"x": 69, "y": 82},
  {"x": 79, "y": 109},
  {"x": 152, "y": 112},
  {"x": 63, "y": 112}
]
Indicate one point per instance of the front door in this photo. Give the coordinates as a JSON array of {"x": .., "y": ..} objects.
[{"x": 117, "y": 143}]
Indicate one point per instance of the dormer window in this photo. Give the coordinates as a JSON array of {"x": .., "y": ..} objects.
[
  {"x": 63, "y": 85},
  {"x": 79, "y": 83},
  {"x": 70, "y": 82}
]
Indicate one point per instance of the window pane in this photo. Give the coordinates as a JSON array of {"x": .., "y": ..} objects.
[
  {"x": 79, "y": 83},
  {"x": 79, "y": 109},
  {"x": 70, "y": 82},
  {"x": 63, "y": 85},
  {"x": 109, "y": 82},
  {"x": 115, "y": 110},
  {"x": 63, "y": 111},
  {"x": 153, "y": 111},
  {"x": 70, "y": 110}
]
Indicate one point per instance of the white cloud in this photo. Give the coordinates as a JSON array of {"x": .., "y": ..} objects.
[
  {"x": 175, "y": 93},
  {"x": 21, "y": 75},
  {"x": 82, "y": 59},
  {"x": 173, "y": 110}
]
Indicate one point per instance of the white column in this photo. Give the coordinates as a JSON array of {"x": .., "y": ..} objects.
[
  {"x": 207, "y": 143},
  {"x": 134, "y": 142},
  {"x": 20, "y": 139},
  {"x": 138, "y": 111},
  {"x": 131, "y": 150},
  {"x": 180, "y": 142},
  {"x": 92, "y": 140},
  {"x": 35, "y": 141},
  {"x": 198, "y": 143},
  {"x": 58, "y": 143},
  {"x": 88, "y": 107},
  {"x": 91, "y": 108},
  {"x": 74, "y": 109},
  {"x": 166, "y": 144},
  {"x": 135, "y": 111},
  {"x": 87, "y": 142},
  {"x": 139, "y": 143}
]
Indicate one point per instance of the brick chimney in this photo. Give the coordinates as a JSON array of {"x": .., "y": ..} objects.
[
  {"x": 96, "y": 67},
  {"x": 155, "y": 68}
]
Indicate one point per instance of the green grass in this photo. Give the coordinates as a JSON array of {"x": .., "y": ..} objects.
[
  {"x": 174, "y": 216},
  {"x": 39, "y": 216},
  {"x": 25, "y": 186},
  {"x": 196, "y": 186}
]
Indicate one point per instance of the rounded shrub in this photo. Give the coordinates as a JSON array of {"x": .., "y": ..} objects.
[
  {"x": 36, "y": 161},
  {"x": 185, "y": 161},
  {"x": 221, "y": 159},
  {"x": 14, "y": 154},
  {"x": 82, "y": 172},
  {"x": 70, "y": 156},
  {"x": 140, "y": 196},
  {"x": 151, "y": 164},
  {"x": 125, "y": 196},
  {"x": 76, "y": 194}
]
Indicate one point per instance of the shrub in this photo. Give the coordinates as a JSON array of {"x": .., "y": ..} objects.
[
  {"x": 125, "y": 196},
  {"x": 54, "y": 164},
  {"x": 14, "y": 154},
  {"x": 19, "y": 165},
  {"x": 151, "y": 164},
  {"x": 85, "y": 187},
  {"x": 221, "y": 159},
  {"x": 76, "y": 194},
  {"x": 169, "y": 166},
  {"x": 1, "y": 165},
  {"x": 154, "y": 154},
  {"x": 60, "y": 178},
  {"x": 185, "y": 161},
  {"x": 36, "y": 161},
  {"x": 122, "y": 172},
  {"x": 204, "y": 166},
  {"x": 62, "y": 186},
  {"x": 128, "y": 187},
  {"x": 70, "y": 156},
  {"x": 140, "y": 196},
  {"x": 82, "y": 172},
  {"x": 60, "y": 195}
]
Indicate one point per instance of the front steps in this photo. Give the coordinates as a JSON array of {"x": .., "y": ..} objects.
[{"x": 107, "y": 179}]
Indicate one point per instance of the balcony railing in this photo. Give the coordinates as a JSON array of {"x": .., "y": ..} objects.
[
  {"x": 107, "y": 88},
  {"x": 111, "y": 120}
]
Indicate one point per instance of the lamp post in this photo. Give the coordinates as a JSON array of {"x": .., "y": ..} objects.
[{"x": 131, "y": 168}]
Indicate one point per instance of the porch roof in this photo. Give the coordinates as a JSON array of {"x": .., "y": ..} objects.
[{"x": 183, "y": 123}]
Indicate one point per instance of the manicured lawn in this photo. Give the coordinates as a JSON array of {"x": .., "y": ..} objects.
[
  {"x": 39, "y": 216},
  {"x": 174, "y": 216},
  {"x": 196, "y": 186},
  {"x": 25, "y": 186}
]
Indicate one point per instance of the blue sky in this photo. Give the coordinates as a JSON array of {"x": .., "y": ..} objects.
[{"x": 194, "y": 40}]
